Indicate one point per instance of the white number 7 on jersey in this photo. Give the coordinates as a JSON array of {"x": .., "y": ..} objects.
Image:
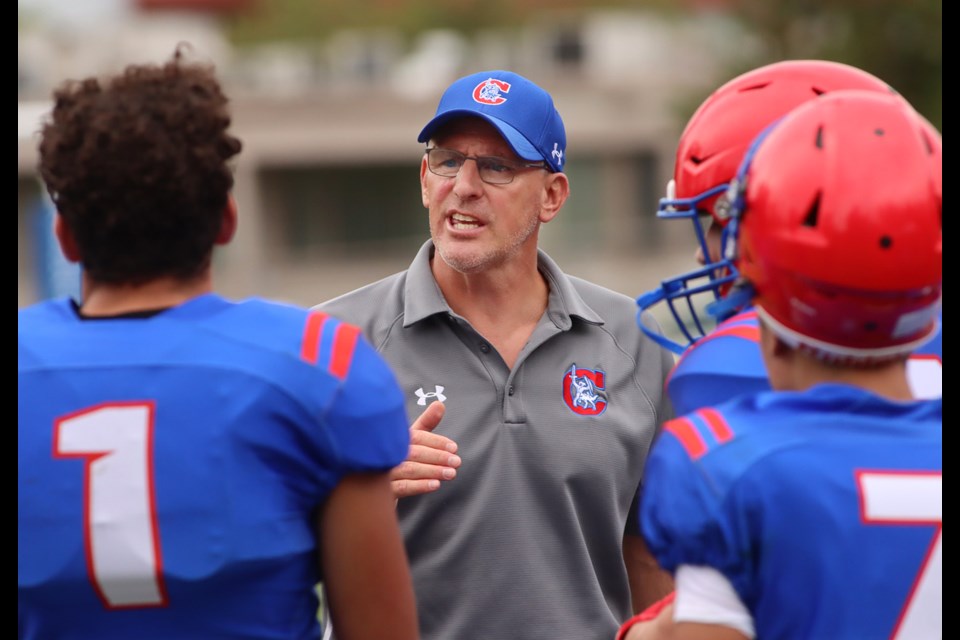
[
  {"x": 121, "y": 536},
  {"x": 890, "y": 498}
]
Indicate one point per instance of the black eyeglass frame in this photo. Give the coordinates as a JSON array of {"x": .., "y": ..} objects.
[{"x": 484, "y": 164}]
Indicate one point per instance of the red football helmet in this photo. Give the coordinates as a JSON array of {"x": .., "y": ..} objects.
[
  {"x": 709, "y": 152},
  {"x": 838, "y": 226},
  {"x": 722, "y": 128}
]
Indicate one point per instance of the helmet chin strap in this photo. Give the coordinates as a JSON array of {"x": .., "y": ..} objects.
[{"x": 737, "y": 299}]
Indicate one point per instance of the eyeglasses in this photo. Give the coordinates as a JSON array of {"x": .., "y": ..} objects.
[{"x": 492, "y": 170}]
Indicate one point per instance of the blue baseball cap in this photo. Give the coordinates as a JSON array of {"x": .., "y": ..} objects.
[{"x": 521, "y": 111}]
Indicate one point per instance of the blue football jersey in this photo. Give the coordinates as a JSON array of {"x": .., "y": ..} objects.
[
  {"x": 822, "y": 508},
  {"x": 170, "y": 468},
  {"x": 727, "y": 362}
]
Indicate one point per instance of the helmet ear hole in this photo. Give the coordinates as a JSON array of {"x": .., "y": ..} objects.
[{"x": 813, "y": 216}]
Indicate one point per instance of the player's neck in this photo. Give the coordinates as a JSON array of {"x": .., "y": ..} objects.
[
  {"x": 886, "y": 380},
  {"x": 103, "y": 299}
]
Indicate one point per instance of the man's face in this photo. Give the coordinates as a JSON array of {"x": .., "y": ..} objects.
[
  {"x": 477, "y": 226},
  {"x": 713, "y": 237}
]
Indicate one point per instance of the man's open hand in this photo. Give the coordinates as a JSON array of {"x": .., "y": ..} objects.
[{"x": 432, "y": 457}]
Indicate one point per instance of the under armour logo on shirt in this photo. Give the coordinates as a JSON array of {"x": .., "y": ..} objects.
[{"x": 422, "y": 395}]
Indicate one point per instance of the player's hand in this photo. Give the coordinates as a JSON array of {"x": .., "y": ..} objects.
[{"x": 432, "y": 458}]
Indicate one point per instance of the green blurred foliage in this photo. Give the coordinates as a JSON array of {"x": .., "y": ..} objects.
[
  {"x": 900, "y": 41},
  {"x": 317, "y": 19}
]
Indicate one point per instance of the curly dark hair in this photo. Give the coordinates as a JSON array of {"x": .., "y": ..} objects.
[{"x": 137, "y": 165}]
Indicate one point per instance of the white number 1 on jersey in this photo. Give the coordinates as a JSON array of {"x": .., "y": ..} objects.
[{"x": 121, "y": 537}]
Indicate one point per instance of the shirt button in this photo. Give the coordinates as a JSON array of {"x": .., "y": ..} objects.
[
  {"x": 484, "y": 347},
  {"x": 510, "y": 390}
]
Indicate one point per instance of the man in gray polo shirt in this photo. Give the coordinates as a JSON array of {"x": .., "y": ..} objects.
[{"x": 550, "y": 396}]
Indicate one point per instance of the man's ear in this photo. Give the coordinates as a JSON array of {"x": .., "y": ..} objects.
[
  {"x": 68, "y": 244},
  {"x": 424, "y": 196},
  {"x": 228, "y": 222},
  {"x": 555, "y": 193}
]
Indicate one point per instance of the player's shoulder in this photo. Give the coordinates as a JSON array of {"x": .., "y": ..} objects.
[
  {"x": 720, "y": 348},
  {"x": 725, "y": 363},
  {"x": 742, "y": 423},
  {"x": 741, "y": 329},
  {"x": 44, "y": 311},
  {"x": 270, "y": 328},
  {"x": 255, "y": 317}
]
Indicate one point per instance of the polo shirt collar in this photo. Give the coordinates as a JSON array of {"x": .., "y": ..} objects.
[
  {"x": 565, "y": 301},
  {"x": 422, "y": 296}
]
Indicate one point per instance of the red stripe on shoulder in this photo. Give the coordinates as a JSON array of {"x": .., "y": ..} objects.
[
  {"x": 742, "y": 316},
  {"x": 717, "y": 424},
  {"x": 687, "y": 434},
  {"x": 310, "y": 346},
  {"x": 344, "y": 344},
  {"x": 747, "y": 332}
]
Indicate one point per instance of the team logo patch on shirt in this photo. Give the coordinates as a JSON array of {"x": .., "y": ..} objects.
[{"x": 583, "y": 391}]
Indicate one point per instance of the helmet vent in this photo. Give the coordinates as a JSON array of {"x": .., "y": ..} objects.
[
  {"x": 812, "y": 217},
  {"x": 819, "y": 140},
  {"x": 927, "y": 143},
  {"x": 755, "y": 87}
]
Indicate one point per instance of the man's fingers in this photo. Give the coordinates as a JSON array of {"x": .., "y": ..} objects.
[
  {"x": 431, "y": 447},
  {"x": 413, "y": 478},
  {"x": 430, "y": 456},
  {"x": 431, "y": 460},
  {"x": 421, "y": 431},
  {"x": 411, "y": 469},
  {"x": 430, "y": 417},
  {"x": 407, "y": 488}
]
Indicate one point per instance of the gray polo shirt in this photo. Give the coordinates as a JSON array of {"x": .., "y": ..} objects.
[{"x": 526, "y": 542}]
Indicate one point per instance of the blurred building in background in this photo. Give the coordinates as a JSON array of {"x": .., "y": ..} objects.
[{"x": 327, "y": 183}]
